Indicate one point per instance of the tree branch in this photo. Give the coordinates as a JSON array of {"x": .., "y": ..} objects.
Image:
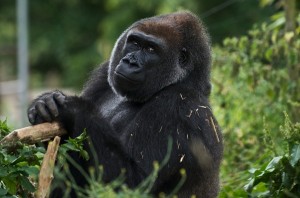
[
  {"x": 33, "y": 134},
  {"x": 46, "y": 172}
]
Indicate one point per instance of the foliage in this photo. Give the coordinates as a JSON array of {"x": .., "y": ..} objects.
[
  {"x": 67, "y": 39},
  {"x": 115, "y": 189},
  {"x": 256, "y": 78},
  {"x": 19, "y": 167},
  {"x": 279, "y": 177},
  {"x": 97, "y": 189},
  {"x": 74, "y": 144}
]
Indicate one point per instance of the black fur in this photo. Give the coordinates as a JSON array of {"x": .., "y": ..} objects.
[{"x": 160, "y": 92}]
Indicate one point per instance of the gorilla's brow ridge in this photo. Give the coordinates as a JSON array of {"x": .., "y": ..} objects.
[{"x": 149, "y": 37}]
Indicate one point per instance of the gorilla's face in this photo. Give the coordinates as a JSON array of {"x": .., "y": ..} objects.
[
  {"x": 146, "y": 64},
  {"x": 157, "y": 52},
  {"x": 141, "y": 54}
]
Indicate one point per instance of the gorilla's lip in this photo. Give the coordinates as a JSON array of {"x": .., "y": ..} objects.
[{"x": 123, "y": 77}]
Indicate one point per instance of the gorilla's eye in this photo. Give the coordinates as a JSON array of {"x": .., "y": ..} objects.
[
  {"x": 150, "y": 49},
  {"x": 135, "y": 43}
]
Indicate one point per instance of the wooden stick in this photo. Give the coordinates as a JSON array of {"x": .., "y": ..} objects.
[
  {"x": 46, "y": 172},
  {"x": 33, "y": 134}
]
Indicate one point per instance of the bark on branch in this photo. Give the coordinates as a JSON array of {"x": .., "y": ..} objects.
[
  {"x": 33, "y": 134},
  {"x": 46, "y": 172}
]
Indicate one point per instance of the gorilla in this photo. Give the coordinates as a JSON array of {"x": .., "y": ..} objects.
[{"x": 154, "y": 87}]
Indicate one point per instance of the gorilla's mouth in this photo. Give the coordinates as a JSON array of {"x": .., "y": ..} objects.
[{"x": 121, "y": 78}]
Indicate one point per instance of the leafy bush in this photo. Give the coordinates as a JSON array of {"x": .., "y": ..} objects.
[
  {"x": 19, "y": 167},
  {"x": 279, "y": 177},
  {"x": 97, "y": 188},
  {"x": 255, "y": 78}
]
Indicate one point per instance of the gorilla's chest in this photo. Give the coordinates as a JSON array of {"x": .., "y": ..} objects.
[{"x": 118, "y": 112}]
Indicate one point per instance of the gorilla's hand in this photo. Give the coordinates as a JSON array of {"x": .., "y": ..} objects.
[{"x": 46, "y": 107}]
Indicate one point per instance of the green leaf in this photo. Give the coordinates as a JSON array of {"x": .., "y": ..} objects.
[
  {"x": 273, "y": 163},
  {"x": 295, "y": 155},
  {"x": 32, "y": 170},
  {"x": 24, "y": 181},
  {"x": 249, "y": 187},
  {"x": 3, "y": 192},
  {"x": 84, "y": 154},
  {"x": 11, "y": 185},
  {"x": 268, "y": 54},
  {"x": 3, "y": 171},
  {"x": 17, "y": 160},
  {"x": 4, "y": 130}
]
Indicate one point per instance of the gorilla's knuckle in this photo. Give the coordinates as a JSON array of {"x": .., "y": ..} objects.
[
  {"x": 31, "y": 110},
  {"x": 47, "y": 98},
  {"x": 40, "y": 102},
  {"x": 58, "y": 95}
]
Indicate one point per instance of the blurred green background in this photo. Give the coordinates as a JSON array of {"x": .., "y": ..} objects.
[
  {"x": 69, "y": 38},
  {"x": 255, "y": 71}
]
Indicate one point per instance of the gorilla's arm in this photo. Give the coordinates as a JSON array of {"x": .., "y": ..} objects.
[
  {"x": 97, "y": 85},
  {"x": 45, "y": 108}
]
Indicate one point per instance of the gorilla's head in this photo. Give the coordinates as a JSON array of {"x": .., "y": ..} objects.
[{"x": 158, "y": 52}]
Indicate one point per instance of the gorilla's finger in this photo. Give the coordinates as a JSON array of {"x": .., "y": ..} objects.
[
  {"x": 59, "y": 97},
  {"x": 42, "y": 110},
  {"x": 32, "y": 115},
  {"x": 39, "y": 120},
  {"x": 51, "y": 105}
]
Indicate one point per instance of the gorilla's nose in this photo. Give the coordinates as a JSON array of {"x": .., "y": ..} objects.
[
  {"x": 131, "y": 60},
  {"x": 129, "y": 69}
]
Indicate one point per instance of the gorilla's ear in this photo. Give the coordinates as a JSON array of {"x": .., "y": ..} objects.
[{"x": 183, "y": 56}]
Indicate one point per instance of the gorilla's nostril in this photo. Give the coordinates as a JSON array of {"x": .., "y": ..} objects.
[
  {"x": 126, "y": 60},
  {"x": 131, "y": 62},
  {"x": 134, "y": 65}
]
